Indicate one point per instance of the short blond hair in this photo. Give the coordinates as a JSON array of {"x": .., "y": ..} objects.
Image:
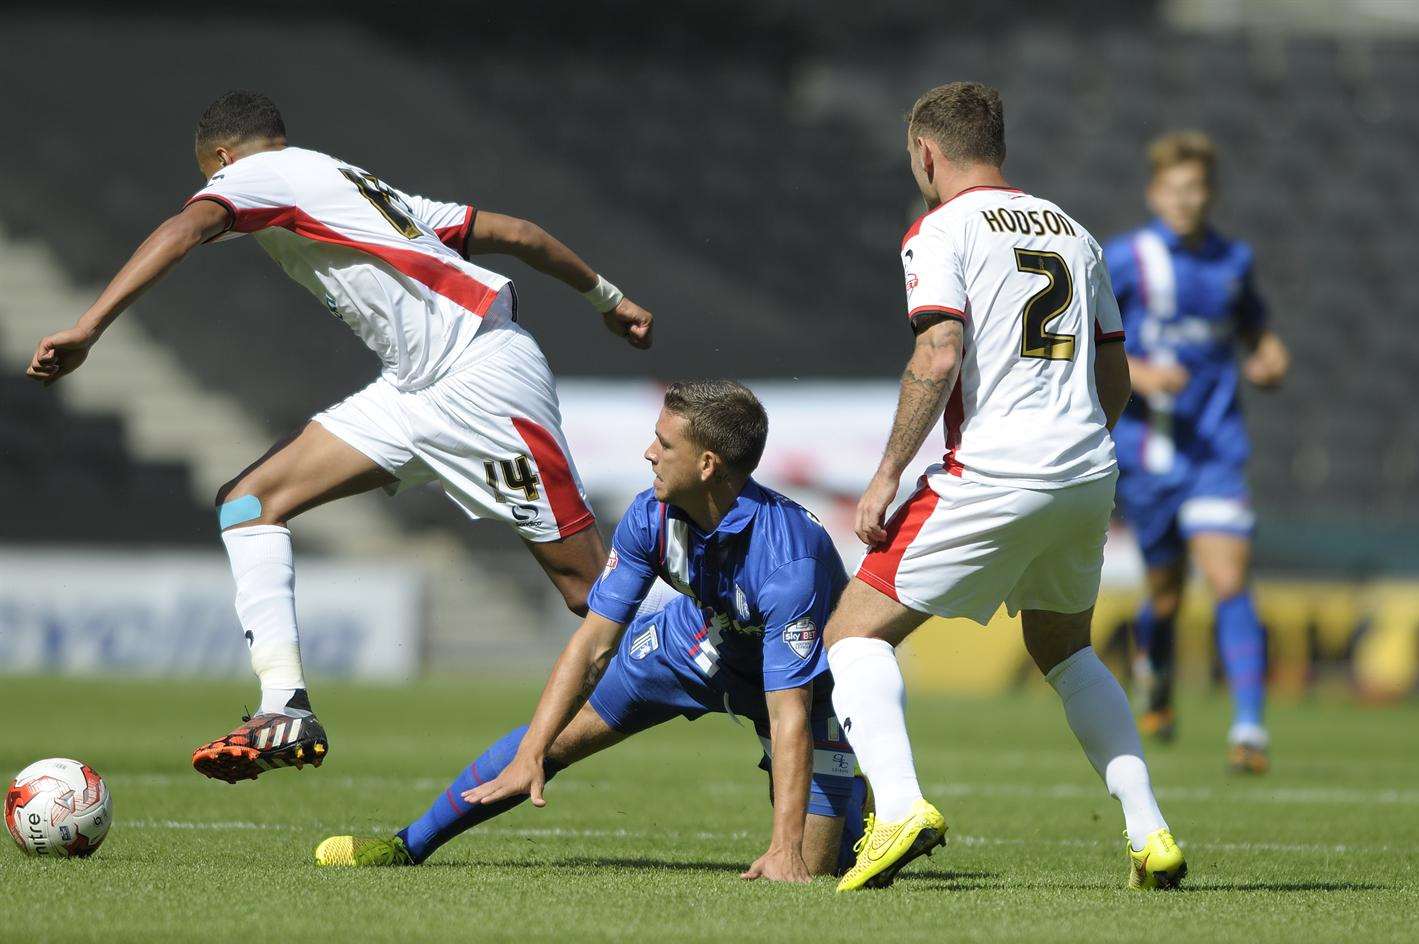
[{"x": 1181, "y": 147}]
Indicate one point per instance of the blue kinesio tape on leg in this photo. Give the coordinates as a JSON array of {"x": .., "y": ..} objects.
[{"x": 239, "y": 511}]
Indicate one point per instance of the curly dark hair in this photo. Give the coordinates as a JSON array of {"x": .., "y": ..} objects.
[{"x": 239, "y": 115}]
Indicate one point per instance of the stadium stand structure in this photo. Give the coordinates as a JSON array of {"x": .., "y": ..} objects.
[
  {"x": 65, "y": 464},
  {"x": 754, "y": 195}
]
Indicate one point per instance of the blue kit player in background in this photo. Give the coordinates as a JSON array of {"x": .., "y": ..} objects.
[
  {"x": 757, "y": 577},
  {"x": 1188, "y": 297}
]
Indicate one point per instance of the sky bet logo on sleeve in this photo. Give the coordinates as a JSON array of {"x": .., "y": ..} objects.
[{"x": 801, "y": 635}]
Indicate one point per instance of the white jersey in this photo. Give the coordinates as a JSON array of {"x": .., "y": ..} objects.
[
  {"x": 388, "y": 264},
  {"x": 1031, "y": 288}
]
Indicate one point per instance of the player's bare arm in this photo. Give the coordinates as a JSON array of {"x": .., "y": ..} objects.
[
  {"x": 525, "y": 240},
  {"x": 1111, "y": 379},
  {"x": 62, "y": 352},
  {"x": 926, "y": 383},
  {"x": 792, "y": 752},
  {"x": 1267, "y": 359},
  {"x": 578, "y": 669}
]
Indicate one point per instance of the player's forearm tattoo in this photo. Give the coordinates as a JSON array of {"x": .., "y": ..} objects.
[{"x": 925, "y": 388}]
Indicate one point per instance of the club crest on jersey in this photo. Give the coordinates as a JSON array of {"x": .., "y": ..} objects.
[
  {"x": 911, "y": 282},
  {"x": 612, "y": 560},
  {"x": 801, "y": 635},
  {"x": 645, "y": 643},
  {"x": 741, "y": 604}
]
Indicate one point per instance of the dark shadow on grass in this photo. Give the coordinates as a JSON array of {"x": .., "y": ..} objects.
[
  {"x": 584, "y": 862},
  {"x": 951, "y": 880},
  {"x": 1285, "y": 887}
]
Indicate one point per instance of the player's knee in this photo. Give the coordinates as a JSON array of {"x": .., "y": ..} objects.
[
  {"x": 1227, "y": 582},
  {"x": 239, "y": 504},
  {"x": 576, "y": 599},
  {"x": 1165, "y": 603},
  {"x": 1050, "y": 638}
]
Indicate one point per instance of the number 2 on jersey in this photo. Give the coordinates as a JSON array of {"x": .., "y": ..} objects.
[
  {"x": 1044, "y": 306},
  {"x": 385, "y": 200}
]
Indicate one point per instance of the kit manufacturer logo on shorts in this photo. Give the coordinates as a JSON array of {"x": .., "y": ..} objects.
[
  {"x": 801, "y": 635},
  {"x": 645, "y": 643}
]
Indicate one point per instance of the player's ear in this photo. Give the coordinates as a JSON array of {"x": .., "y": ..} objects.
[
  {"x": 928, "y": 159},
  {"x": 710, "y": 466}
]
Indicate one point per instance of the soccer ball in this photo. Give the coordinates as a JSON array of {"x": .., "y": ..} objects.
[{"x": 58, "y": 808}]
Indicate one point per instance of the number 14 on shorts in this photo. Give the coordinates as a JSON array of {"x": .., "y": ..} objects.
[{"x": 517, "y": 474}]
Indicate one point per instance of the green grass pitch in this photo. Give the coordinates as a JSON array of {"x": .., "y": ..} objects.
[{"x": 645, "y": 842}]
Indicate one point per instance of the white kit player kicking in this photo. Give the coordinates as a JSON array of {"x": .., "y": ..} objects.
[
  {"x": 1016, "y": 341},
  {"x": 465, "y": 397}
]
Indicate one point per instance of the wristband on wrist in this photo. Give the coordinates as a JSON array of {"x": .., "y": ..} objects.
[{"x": 604, "y": 296}]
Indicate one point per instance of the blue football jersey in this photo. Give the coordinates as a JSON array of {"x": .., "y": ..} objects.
[
  {"x": 1185, "y": 306},
  {"x": 762, "y": 585}
]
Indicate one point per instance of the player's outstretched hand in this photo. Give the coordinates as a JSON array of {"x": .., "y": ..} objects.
[
  {"x": 523, "y": 777},
  {"x": 630, "y": 321},
  {"x": 59, "y": 354},
  {"x": 779, "y": 865},
  {"x": 872, "y": 510}
]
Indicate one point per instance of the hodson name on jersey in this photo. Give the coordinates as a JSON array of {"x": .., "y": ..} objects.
[{"x": 1029, "y": 286}]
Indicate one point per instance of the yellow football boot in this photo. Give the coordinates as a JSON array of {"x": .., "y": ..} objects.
[
  {"x": 346, "y": 851},
  {"x": 1159, "y": 866},
  {"x": 1160, "y": 725},
  {"x": 886, "y": 847},
  {"x": 1247, "y": 759}
]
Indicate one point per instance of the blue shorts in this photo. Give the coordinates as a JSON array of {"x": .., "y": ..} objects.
[
  {"x": 1164, "y": 511},
  {"x": 644, "y": 686}
]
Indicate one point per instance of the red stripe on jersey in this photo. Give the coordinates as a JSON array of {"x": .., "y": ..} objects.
[
  {"x": 1102, "y": 337},
  {"x": 444, "y": 278},
  {"x": 879, "y": 567},
  {"x": 556, "y": 473},
  {"x": 955, "y": 416},
  {"x": 249, "y": 220},
  {"x": 456, "y": 237},
  {"x": 916, "y": 226}
]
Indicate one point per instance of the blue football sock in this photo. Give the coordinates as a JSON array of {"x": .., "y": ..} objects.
[
  {"x": 1154, "y": 635},
  {"x": 1241, "y": 642},
  {"x": 450, "y": 814},
  {"x": 852, "y": 826}
]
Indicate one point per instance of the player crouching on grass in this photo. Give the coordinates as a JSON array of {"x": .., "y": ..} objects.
[
  {"x": 758, "y": 576},
  {"x": 465, "y": 397}
]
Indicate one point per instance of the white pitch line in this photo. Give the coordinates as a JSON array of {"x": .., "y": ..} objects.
[{"x": 1279, "y": 795}]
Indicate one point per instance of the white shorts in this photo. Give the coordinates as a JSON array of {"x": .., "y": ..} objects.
[
  {"x": 489, "y": 431},
  {"x": 961, "y": 548}
]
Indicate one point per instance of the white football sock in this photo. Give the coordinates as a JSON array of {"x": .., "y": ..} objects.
[
  {"x": 265, "y": 574},
  {"x": 869, "y": 698},
  {"x": 1098, "y": 713}
]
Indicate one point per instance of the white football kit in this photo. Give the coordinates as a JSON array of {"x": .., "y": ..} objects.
[
  {"x": 465, "y": 396},
  {"x": 1018, "y": 510}
]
